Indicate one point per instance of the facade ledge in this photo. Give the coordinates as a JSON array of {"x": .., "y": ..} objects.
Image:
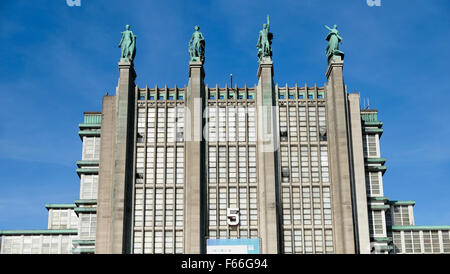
[
  {"x": 87, "y": 163},
  {"x": 86, "y": 171},
  {"x": 89, "y": 133},
  {"x": 402, "y": 202},
  {"x": 83, "y": 250},
  {"x": 84, "y": 242},
  {"x": 384, "y": 248},
  {"x": 378, "y": 198},
  {"x": 85, "y": 210},
  {"x": 48, "y": 206},
  {"x": 375, "y": 160},
  {"x": 378, "y": 207},
  {"x": 84, "y": 125},
  {"x": 39, "y": 232},
  {"x": 420, "y": 227},
  {"x": 86, "y": 202},
  {"x": 382, "y": 239},
  {"x": 372, "y": 131},
  {"x": 377, "y": 168},
  {"x": 372, "y": 123}
]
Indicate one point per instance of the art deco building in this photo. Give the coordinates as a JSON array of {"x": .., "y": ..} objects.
[{"x": 260, "y": 169}]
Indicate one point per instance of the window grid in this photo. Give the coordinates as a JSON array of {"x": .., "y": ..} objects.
[
  {"x": 231, "y": 170},
  {"x": 37, "y": 244},
  {"x": 374, "y": 186},
  {"x": 91, "y": 148},
  {"x": 159, "y": 183},
  {"x": 370, "y": 145},
  {"x": 401, "y": 215},
  {"x": 89, "y": 186},
  {"x": 304, "y": 188},
  {"x": 62, "y": 219},
  {"x": 87, "y": 226},
  {"x": 376, "y": 223}
]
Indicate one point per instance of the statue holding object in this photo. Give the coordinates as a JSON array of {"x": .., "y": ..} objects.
[
  {"x": 333, "y": 39},
  {"x": 264, "y": 42}
]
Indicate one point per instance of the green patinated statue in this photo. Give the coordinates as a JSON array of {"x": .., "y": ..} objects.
[
  {"x": 197, "y": 46},
  {"x": 264, "y": 42},
  {"x": 333, "y": 39},
  {"x": 128, "y": 45}
]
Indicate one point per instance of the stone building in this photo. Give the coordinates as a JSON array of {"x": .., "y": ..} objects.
[{"x": 209, "y": 169}]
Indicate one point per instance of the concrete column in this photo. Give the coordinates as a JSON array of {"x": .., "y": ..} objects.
[
  {"x": 267, "y": 164},
  {"x": 116, "y": 199},
  {"x": 360, "y": 202},
  {"x": 194, "y": 220},
  {"x": 338, "y": 139},
  {"x": 106, "y": 167}
]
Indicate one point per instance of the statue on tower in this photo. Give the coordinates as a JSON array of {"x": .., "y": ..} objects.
[
  {"x": 197, "y": 46},
  {"x": 264, "y": 42},
  {"x": 128, "y": 45},
  {"x": 333, "y": 39}
]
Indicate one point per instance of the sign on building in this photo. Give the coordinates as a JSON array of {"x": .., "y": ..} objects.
[{"x": 233, "y": 246}]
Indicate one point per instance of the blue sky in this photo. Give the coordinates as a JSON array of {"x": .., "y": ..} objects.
[{"x": 58, "y": 61}]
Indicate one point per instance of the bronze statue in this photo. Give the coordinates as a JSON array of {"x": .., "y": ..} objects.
[
  {"x": 333, "y": 39},
  {"x": 264, "y": 42},
  {"x": 128, "y": 45},
  {"x": 197, "y": 46}
]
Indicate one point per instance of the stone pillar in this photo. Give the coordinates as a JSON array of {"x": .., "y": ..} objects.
[
  {"x": 267, "y": 164},
  {"x": 106, "y": 168},
  {"x": 360, "y": 197},
  {"x": 115, "y": 206},
  {"x": 338, "y": 139},
  {"x": 194, "y": 220}
]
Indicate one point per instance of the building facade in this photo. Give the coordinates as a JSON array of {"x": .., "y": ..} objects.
[{"x": 172, "y": 169}]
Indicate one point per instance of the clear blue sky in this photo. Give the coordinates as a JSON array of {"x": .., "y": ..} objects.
[{"x": 58, "y": 61}]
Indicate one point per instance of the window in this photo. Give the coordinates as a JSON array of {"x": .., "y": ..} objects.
[
  {"x": 446, "y": 241},
  {"x": 312, "y": 124},
  {"x": 318, "y": 241},
  {"x": 324, "y": 164},
  {"x": 139, "y": 207},
  {"x": 171, "y": 124},
  {"x": 287, "y": 239},
  {"x": 251, "y": 115},
  {"x": 373, "y": 180},
  {"x": 396, "y": 236},
  {"x": 149, "y": 206},
  {"x": 161, "y": 125},
  {"x": 151, "y": 123},
  {"x": 88, "y": 224},
  {"x": 308, "y": 241},
  {"x": 370, "y": 146},
  {"x": 89, "y": 186},
  {"x": 329, "y": 241},
  {"x": 376, "y": 223},
  {"x": 91, "y": 148}
]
